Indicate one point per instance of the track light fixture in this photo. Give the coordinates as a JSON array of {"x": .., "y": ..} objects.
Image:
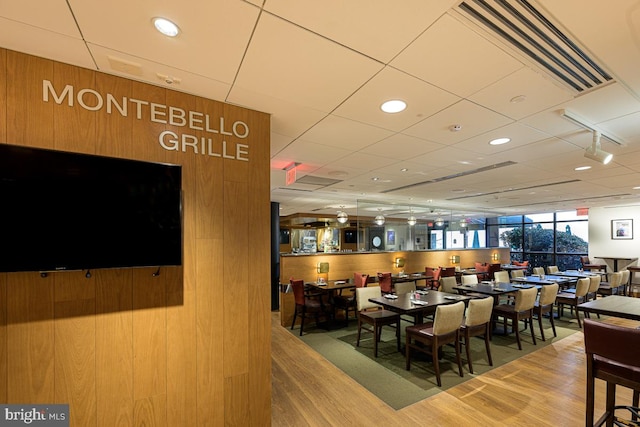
[{"x": 595, "y": 152}]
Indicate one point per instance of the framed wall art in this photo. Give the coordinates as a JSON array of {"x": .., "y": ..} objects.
[{"x": 622, "y": 229}]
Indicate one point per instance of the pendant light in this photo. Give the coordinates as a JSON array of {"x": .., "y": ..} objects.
[
  {"x": 463, "y": 222},
  {"x": 412, "y": 219},
  {"x": 439, "y": 221},
  {"x": 379, "y": 219},
  {"x": 342, "y": 216}
]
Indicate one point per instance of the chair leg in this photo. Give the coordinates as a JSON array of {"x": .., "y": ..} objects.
[
  {"x": 398, "y": 334},
  {"x": 295, "y": 314},
  {"x": 590, "y": 401},
  {"x": 553, "y": 324},
  {"x": 533, "y": 335},
  {"x": 540, "y": 324},
  {"x": 359, "y": 331},
  {"x": 407, "y": 353},
  {"x": 487, "y": 337},
  {"x": 611, "y": 402},
  {"x": 516, "y": 327},
  {"x": 458, "y": 358},
  {"x": 468, "y": 350},
  {"x": 436, "y": 361},
  {"x": 376, "y": 337},
  {"x": 577, "y": 314}
]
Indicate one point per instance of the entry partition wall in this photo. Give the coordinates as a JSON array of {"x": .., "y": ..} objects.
[{"x": 125, "y": 347}]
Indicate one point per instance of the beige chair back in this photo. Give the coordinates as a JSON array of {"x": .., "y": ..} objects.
[
  {"x": 404, "y": 287},
  {"x": 526, "y": 299},
  {"x": 448, "y": 318},
  {"x": 469, "y": 279},
  {"x": 625, "y": 277},
  {"x": 501, "y": 276},
  {"x": 479, "y": 311},
  {"x": 548, "y": 294},
  {"x": 538, "y": 271},
  {"x": 363, "y": 295},
  {"x": 615, "y": 279},
  {"x": 447, "y": 284},
  {"x": 594, "y": 283},
  {"x": 517, "y": 273},
  {"x": 552, "y": 269},
  {"x": 582, "y": 287}
]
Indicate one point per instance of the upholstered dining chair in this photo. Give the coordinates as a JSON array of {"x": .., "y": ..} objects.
[
  {"x": 590, "y": 266},
  {"x": 611, "y": 286},
  {"x": 477, "y": 322},
  {"x": 544, "y": 305},
  {"x": 522, "y": 309},
  {"x": 469, "y": 279},
  {"x": 609, "y": 358},
  {"x": 572, "y": 299},
  {"x": 435, "y": 276},
  {"x": 517, "y": 273},
  {"x": 384, "y": 280},
  {"x": 594, "y": 285},
  {"x": 551, "y": 269},
  {"x": 306, "y": 305},
  {"x": 501, "y": 276},
  {"x": 347, "y": 302},
  {"x": 625, "y": 281},
  {"x": 404, "y": 287},
  {"x": 538, "y": 271},
  {"x": 447, "y": 284},
  {"x": 429, "y": 337},
  {"x": 371, "y": 314}
]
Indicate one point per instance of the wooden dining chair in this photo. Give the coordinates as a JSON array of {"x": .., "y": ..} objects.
[
  {"x": 477, "y": 322},
  {"x": 306, "y": 304},
  {"x": 430, "y": 337},
  {"x": 586, "y": 264},
  {"x": 435, "y": 276},
  {"x": 544, "y": 305},
  {"x": 371, "y": 314},
  {"x": 522, "y": 309},
  {"x": 611, "y": 287},
  {"x": 572, "y": 299},
  {"x": 347, "y": 302},
  {"x": 609, "y": 358},
  {"x": 384, "y": 281}
]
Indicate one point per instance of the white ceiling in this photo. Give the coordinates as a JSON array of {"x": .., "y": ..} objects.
[{"x": 322, "y": 69}]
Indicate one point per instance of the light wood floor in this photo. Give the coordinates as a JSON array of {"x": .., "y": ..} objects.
[{"x": 544, "y": 388}]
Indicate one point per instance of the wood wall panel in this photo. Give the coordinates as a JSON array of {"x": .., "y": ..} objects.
[
  {"x": 29, "y": 120},
  {"x": 114, "y": 348},
  {"x": 30, "y": 338},
  {"x": 3, "y": 98},
  {"x": 3, "y": 336},
  {"x": 124, "y": 347},
  {"x": 75, "y": 355},
  {"x": 210, "y": 387}
]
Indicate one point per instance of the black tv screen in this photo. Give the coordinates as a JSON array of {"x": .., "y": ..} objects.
[{"x": 69, "y": 211}]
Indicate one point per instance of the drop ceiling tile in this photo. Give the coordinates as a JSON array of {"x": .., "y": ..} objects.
[
  {"x": 452, "y": 56},
  {"x": 310, "y": 154},
  {"x": 335, "y": 131},
  {"x": 49, "y": 16},
  {"x": 521, "y": 94},
  {"x": 520, "y": 135},
  {"x": 380, "y": 29},
  {"x": 401, "y": 147},
  {"x": 472, "y": 118},
  {"x": 287, "y": 62},
  {"x": 422, "y": 100}
]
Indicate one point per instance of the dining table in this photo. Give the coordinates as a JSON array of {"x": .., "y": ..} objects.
[
  {"x": 547, "y": 279},
  {"x": 613, "y": 305},
  {"x": 412, "y": 277},
  {"x": 616, "y": 259},
  {"x": 495, "y": 290},
  {"x": 331, "y": 288},
  {"x": 575, "y": 274},
  {"x": 409, "y": 304}
]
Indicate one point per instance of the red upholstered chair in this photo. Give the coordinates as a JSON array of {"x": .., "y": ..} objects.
[
  {"x": 482, "y": 271},
  {"x": 492, "y": 269},
  {"x": 612, "y": 356},
  {"x": 447, "y": 272},
  {"x": 435, "y": 274},
  {"x": 384, "y": 280},
  {"x": 307, "y": 305}
]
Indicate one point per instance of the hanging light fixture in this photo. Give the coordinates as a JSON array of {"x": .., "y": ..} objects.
[
  {"x": 379, "y": 219},
  {"x": 412, "y": 219},
  {"x": 463, "y": 222},
  {"x": 342, "y": 216},
  {"x": 439, "y": 221}
]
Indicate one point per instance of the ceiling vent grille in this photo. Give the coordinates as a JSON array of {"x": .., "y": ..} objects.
[{"x": 523, "y": 27}]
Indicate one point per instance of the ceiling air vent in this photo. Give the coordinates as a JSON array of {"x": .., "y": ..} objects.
[{"x": 522, "y": 26}]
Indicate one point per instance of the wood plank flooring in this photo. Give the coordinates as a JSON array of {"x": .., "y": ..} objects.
[{"x": 544, "y": 388}]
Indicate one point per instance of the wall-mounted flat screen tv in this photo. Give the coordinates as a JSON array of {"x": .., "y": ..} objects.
[{"x": 70, "y": 211}]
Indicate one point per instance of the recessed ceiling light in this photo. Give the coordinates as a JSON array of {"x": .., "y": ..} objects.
[
  {"x": 582, "y": 168},
  {"x": 393, "y": 106},
  {"x": 404, "y": 170},
  {"x": 166, "y": 27},
  {"x": 375, "y": 178},
  {"x": 518, "y": 99},
  {"x": 499, "y": 141}
]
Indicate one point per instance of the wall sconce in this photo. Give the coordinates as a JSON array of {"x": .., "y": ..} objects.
[
  {"x": 495, "y": 257},
  {"x": 455, "y": 259},
  {"x": 323, "y": 267},
  {"x": 399, "y": 262}
]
